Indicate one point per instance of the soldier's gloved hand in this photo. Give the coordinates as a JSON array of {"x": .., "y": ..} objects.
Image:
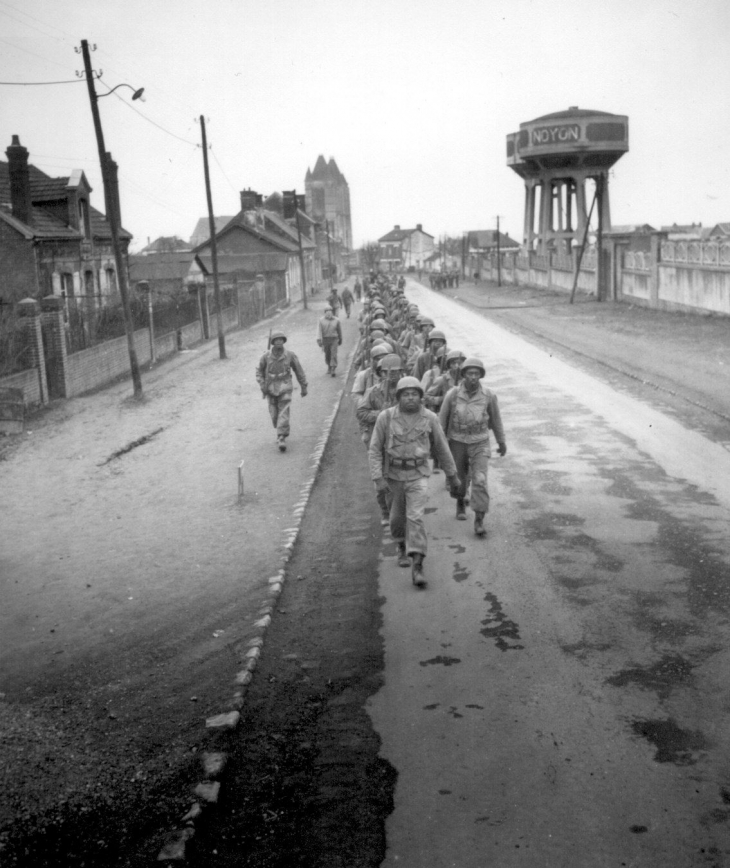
[
  {"x": 382, "y": 484},
  {"x": 304, "y": 391},
  {"x": 454, "y": 485},
  {"x": 502, "y": 449}
]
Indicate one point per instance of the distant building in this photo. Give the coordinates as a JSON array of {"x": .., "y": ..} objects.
[
  {"x": 165, "y": 244},
  {"x": 201, "y": 232},
  {"x": 405, "y": 248},
  {"x": 52, "y": 240},
  {"x": 328, "y": 199},
  {"x": 720, "y": 232}
]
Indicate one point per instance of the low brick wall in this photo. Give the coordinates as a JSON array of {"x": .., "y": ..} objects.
[
  {"x": 191, "y": 334},
  {"x": 28, "y": 382},
  {"x": 99, "y": 365}
]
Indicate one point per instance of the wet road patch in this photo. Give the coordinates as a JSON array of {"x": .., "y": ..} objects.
[
  {"x": 674, "y": 745},
  {"x": 460, "y": 574},
  {"x": 444, "y": 661},
  {"x": 661, "y": 677},
  {"x": 499, "y": 627}
]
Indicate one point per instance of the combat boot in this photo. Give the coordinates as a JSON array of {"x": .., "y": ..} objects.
[
  {"x": 403, "y": 559},
  {"x": 281, "y": 443},
  {"x": 417, "y": 570},
  {"x": 460, "y": 509},
  {"x": 479, "y": 528}
]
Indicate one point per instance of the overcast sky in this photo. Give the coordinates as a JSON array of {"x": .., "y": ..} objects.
[{"x": 413, "y": 98}]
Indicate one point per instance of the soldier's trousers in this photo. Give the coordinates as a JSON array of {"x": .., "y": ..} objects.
[
  {"x": 329, "y": 345},
  {"x": 279, "y": 409},
  {"x": 472, "y": 461},
  {"x": 406, "y": 513}
]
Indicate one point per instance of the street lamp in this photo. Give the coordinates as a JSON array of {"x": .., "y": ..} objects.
[{"x": 110, "y": 196}]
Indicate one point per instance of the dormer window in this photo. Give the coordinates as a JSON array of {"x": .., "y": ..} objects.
[{"x": 84, "y": 225}]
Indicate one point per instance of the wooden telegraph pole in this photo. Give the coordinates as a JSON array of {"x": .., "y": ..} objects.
[
  {"x": 499, "y": 257},
  {"x": 213, "y": 246},
  {"x": 112, "y": 218}
]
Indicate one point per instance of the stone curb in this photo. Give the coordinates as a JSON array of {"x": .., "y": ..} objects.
[{"x": 206, "y": 792}]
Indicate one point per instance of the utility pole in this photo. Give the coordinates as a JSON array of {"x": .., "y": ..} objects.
[
  {"x": 499, "y": 257},
  {"x": 111, "y": 215},
  {"x": 301, "y": 251},
  {"x": 600, "y": 270},
  {"x": 329, "y": 252},
  {"x": 213, "y": 246}
]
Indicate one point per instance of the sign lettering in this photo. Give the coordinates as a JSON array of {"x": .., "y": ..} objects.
[{"x": 555, "y": 134}]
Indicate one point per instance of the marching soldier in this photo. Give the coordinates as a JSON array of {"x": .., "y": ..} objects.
[
  {"x": 468, "y": 413},
  {"x": 399, "y": 464},
  {"x": 274, "y": 376},
  {"x": 329, "y": 337},
  {"x": 347, "y": 299}
]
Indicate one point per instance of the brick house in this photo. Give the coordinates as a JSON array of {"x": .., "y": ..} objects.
[{"x": 52, "y": 240}]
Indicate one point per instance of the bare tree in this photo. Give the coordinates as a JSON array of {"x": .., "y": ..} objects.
[{"x": 370, "y": 255}]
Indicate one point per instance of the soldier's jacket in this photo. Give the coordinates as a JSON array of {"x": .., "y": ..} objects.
[
  {"x": 274, "y": 372},
  {"x": 469, "y": 418},
  {"x": 376, "y": 398},
  {"x": 436, "y": 388},
  {"x": 402, "y": 443}
]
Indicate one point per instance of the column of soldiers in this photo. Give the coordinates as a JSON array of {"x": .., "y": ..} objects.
[{"x": 420, "y": 405}]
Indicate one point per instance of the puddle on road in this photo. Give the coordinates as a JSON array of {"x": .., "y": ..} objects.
[
  {"x": 499, "y": 627},
  {"x": 444, "y": 661},
  {"x": 682, "y": 747},
  {"x": 460, "y": 574},
  {"x": 669, "y": 672}
]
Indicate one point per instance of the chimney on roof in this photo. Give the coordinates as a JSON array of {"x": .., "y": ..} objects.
[
  {"x": 419, "y": 227},
  {"x": 20, "y": 200},
  {"x": 396, "y": 228},
  {"x": 250, "y": 200},
  {"x": 112, "y": 170}
]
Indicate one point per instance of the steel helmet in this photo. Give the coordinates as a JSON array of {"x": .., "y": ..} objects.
[
  {"x": 473, "y": 362},
  {"x": 436, "y": 335},
  {"x": 379, "y": 324},
  {"x": 275, "y": 335},
  {"x": 377, "y": 333},
  {"x": 454, "y": 354},
  {"x": 391, "y": 362},
  {"x": 426, "y": 320},
  {"x": 408, "y": 383},
  {"x": 379, "y": 351},
  {"x": 329, "y": 307}
]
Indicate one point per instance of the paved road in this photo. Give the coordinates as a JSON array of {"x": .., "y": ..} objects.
[{"x": 559, "y": 695}]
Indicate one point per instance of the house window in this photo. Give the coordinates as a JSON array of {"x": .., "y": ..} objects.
[
  {"x": 67, "y": 284},
  {"x": 84, "y": 226},
  {"x": 111, "y": 280}
]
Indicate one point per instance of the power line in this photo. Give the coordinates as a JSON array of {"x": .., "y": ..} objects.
[
  {"x": 149, "y": 120},
  {"x": 29, "y": 83},
  {"x": 222, "y": 170}
]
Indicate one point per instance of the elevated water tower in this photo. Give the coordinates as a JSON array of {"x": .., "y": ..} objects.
[{"x": 556, "y": 155}]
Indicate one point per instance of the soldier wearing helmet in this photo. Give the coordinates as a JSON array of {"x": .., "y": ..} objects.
[
  {"x": 468, "y": 413},
  {"x": 380, "y": 395},
  {"x": 274, "y": 376},
  {"x": 367, "y": 377},
  {"x": 436, "y": 392},
  {"x": 425, "y": 359},
  {"x": 329, "y": 337},
  {"x": 399, "y": 464}
]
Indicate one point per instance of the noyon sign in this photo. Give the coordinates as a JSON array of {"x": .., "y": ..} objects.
[{"x": 555, "y": 133}]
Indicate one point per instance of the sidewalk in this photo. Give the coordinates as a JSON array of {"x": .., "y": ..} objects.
[{"x": 127, "y": 582}]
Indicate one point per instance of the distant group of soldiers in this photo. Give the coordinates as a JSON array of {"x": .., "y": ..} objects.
[
  {"x": 442, "y": 279},
  {"x": 420, "y": 405}
]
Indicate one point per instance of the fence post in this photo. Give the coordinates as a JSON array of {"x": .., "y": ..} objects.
[
  {"x": 30, "y": 313},
  {"x": 55, "y": 345}
]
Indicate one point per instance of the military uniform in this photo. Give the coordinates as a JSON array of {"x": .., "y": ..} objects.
[
  {"x": 467, "y": 420},
  {"x": 274, "y": 376},
  {"x": 399, "y": 452}
]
